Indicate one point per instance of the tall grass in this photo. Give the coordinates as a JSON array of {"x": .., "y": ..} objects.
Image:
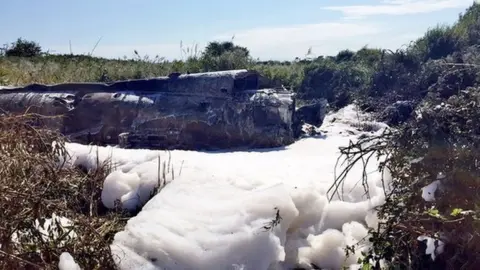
[
  {"x": 53, "y": 69},
  {"x": 37, "y": 192}
]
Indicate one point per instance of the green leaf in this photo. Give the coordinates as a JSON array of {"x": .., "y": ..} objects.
[
  {"x": 456, "y": 212},
  {"x": 366, "y": 266},
  {"x": 433, "y": 212}
]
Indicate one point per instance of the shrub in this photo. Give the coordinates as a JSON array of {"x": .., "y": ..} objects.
[
  {"x": 439, "y": 146},
  {"x": 290, "y": 76},
  {"x": 236, "y": 59},
  {"x": 368, "y": 56},
  {"x": 336, "y": 82},
  {"x": 23, "y": 48},
  {"x": 217, "y": 49},
  {"x": 438, "y": 42},
  {"x": 468, "y": 25},
  {"x": 345, "y": 56}
]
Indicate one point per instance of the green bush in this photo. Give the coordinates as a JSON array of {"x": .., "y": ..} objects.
[
  {"x": 345, "y": 56},
  {"x": 288, "y": 75},
  {"x": 229, "y": 60},
  {"x": 438, "y": 42},
  {"x": 217, "y": 49},
  {"x": 23, "y": 48},
  {"x": 336, "y": 82},
  {"x": 468, "y": 25},
  {"x": 440, "y": 145},
  {"x": 368, "y": 56}
]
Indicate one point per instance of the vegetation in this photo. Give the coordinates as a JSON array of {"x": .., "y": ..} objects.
[
  {"x": 438, "y": 144},
  {"x": 35, "y": 190},
  {"x": 22, "y": 48},
  {"x": 49, "y": 207},
  {"x": 437, "y": 73}
]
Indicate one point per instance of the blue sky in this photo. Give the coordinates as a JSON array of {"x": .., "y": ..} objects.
[{"x": 271, "y": 29}]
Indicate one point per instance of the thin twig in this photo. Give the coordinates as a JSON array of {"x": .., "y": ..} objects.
[{"x": 20, "y": 259}]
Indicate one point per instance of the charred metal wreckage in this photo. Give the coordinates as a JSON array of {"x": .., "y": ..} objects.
[{"x": 204, "y": 111}]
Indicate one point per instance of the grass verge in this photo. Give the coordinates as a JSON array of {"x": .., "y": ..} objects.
[{"x": 35, "y": 188}]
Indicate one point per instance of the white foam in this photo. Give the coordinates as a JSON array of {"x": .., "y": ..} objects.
[
  {"x": 211, "y": 216},
  {"x": 428, "y": 192},
  {"x": 434, "y": 248},
  {"x": 67, "y": 262},
  {"x": 56, "y": 228}
]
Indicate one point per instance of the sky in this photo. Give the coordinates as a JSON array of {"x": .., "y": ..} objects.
[{"x": 270, "y": 29}]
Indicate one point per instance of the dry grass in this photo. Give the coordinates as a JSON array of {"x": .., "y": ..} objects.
[{"x": 34, "y": 187}]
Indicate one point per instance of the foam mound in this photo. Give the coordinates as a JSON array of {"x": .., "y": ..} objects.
[{"x": 259, "y": 209}]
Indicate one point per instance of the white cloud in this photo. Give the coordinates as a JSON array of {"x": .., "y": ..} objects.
[
  {"x": 289, "y": 42},
  {"x": 278, "y": 43},
  {"x": 399, "y": 7}
]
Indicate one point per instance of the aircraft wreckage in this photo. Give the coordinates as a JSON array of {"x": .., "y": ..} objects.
[{"x": 203, "y": 111}]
